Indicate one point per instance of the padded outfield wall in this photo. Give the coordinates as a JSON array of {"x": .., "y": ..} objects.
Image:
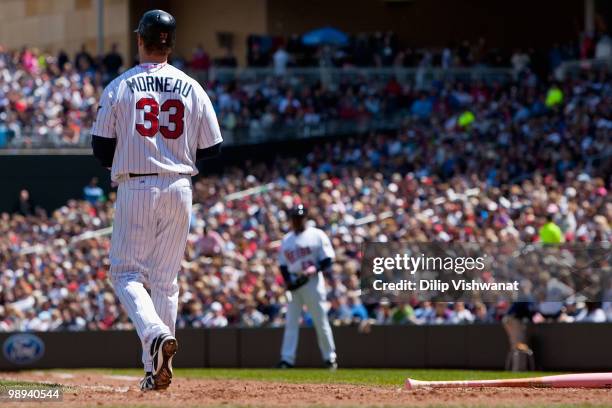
[{"x": 571, "y": 347}]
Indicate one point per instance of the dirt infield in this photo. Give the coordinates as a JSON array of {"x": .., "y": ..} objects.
[{"x": 93, "y": 389}]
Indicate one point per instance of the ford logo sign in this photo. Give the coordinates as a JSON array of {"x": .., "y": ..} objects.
[{"x": 23, "y": 348}]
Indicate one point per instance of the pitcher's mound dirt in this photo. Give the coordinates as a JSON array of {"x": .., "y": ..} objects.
[{"x": 92, "y": 389}]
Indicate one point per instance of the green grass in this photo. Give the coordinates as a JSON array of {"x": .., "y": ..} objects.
[{"x": 380, "y": 377}]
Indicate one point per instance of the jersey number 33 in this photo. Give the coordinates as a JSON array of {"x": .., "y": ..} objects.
[{"x": 151, "y": 115}]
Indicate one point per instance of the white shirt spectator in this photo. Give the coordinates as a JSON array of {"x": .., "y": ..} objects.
[
  {"x": 594, "y": 316},
  {"x": 461, "y": 316},
  {"x": 252, "y": 317},
  {"x": 281, "y": 59},
  {"x": 603, "y": 49},
  {"x": 215, "y": 317},
  {"x": 447, "y": 58}
]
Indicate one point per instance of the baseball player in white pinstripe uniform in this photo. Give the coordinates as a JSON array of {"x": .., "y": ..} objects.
[
  {"x": 154, "y": 122},
  {"x": 305, "y": 253}
]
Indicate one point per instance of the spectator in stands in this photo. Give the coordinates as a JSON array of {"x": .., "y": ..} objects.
[
  {"x": 574, "y": 310},
  {"x": 62, "y": 60},
  {"x": 603, "y": 49},
  {"x": 210, "y": 243},
  {"x": 403, "y": 313},
  {"x": 281, "y": 61},
  {"x": 550, "y": 233},
  {"x": 422, "y": 107},
  {"x": 520, "y": 61},
  {"x": 199, "y": 59},
  {"x": 358, "y": 310},
  {"x": 424, "y": 313},
  {"x": 4, "y": 134},
  {"x": 190, "y": 314},
  {"x": 83, "y": 61},
  {"x": 440, "y": 315},
  {"x": 460, "y": 314},
  {"x": 481, "y": 314},
  {"x": 215, "y": 316},
  {"x": 24, "y": 204},
  {"x": 594, "y": 313},
  {"x": 554, "y": 96},
  {"x": 92, "y": 192},
  {"x": 256, "y": 57},
  {"x": 383, "y": 313},
  {"x": 251, "y": 317},
  {"x": 112, "y": 63},
  {"x": 340, "y": 313}
]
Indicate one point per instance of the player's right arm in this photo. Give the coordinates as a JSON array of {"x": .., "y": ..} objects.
[
  {"x": 103, "y": 132},
  {"x": 284, "y": 269}
]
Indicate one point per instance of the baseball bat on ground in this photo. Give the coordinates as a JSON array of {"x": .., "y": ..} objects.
[{"x": 587, "y": 380}]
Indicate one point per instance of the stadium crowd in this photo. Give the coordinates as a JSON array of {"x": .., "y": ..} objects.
[
  {"x": 50, "y": 100},
  {"x": 527, "y": 162},
  {"x": 384, "y": 49}
]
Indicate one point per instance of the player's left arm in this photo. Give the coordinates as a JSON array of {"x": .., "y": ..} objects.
[
  {"x": 326, "y": 254},
  {"x": 103, "y": 135},
  {"x": 209, "y": 134}
]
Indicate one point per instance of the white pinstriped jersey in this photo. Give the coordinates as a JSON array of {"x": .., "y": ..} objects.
[{"x": 160, "y": 116}]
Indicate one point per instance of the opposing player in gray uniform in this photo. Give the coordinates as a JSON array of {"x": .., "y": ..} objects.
[
  {"x": 305, "y": 253},
  {"x": 153, "y": 123}
]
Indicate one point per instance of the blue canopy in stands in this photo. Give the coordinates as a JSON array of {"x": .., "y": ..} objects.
[{"x": 325, "y": 35}]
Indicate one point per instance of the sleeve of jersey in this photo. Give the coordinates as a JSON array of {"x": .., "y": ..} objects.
[
  {"x": 104, "y": 126},
  {"x": 281, "y": 257},
  {"x": 327, "y": 250},
  {"x": 209, "y": 133}
]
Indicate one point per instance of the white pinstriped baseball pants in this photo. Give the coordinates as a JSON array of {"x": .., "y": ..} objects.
[{"x": 148, "y": 243}]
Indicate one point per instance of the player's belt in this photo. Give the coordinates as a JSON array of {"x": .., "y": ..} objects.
[{"x": 153, "y": 174}]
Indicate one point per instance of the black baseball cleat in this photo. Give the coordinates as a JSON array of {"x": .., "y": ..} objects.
[
  {"x": 147, "y": 383},
  {"x": 283, "y": 364},
  {"x": 163, "y": 349},
  {"x": 331, "y": 365}
]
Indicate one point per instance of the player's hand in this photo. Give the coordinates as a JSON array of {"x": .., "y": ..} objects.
[
  {"x": 311, "y": 270},
  {"x": 298, "y": 282}
]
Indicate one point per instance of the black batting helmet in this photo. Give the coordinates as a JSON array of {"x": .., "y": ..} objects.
[
  {"x": 298, "y": 211},
  {"x": 157, "y": 28}
]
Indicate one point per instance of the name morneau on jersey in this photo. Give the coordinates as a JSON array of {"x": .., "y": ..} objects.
[
  {"x": 160, "y": 117},
  {"x": 159, "y": 84}
]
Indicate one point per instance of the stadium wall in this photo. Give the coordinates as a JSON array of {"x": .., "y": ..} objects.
[
  {"x": 52, "y": 25},
  {"x": 571, "y": 347},
  {"x": 418, "y": 23},
  {"x": 53, "y": 179},
  {"x": 200, "y": 22},
  {"x": 436, "y": 23}
]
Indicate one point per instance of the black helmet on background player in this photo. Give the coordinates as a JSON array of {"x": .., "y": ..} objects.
[
  {"x": 157, "y": 28},
  {"x": 299, "y": 211},
  {"x": 298, "y": 218}
]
